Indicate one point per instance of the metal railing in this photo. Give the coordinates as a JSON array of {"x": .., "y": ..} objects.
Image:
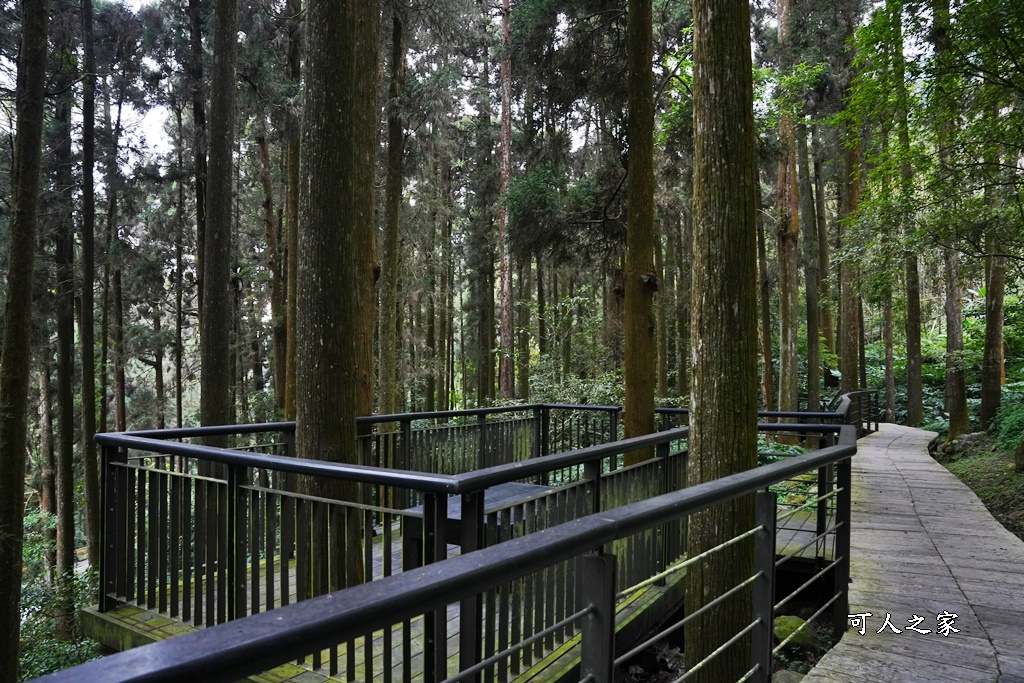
[{"x": 495, "y": 584}]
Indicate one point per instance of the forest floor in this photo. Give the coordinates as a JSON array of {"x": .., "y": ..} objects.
[{"x": 991, "y": 474}]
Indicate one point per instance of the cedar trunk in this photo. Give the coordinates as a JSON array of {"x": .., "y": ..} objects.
[
  {"x": 723, "y": 405},
  {"x": 16, "y": 358},
  {"x": 639, "y": 277},
  {"x": 809, "y": 222},
  {"x": 216, "y": 299},
  {"x": 338, "y": 136},
  {"x": 506, "y": 353}
]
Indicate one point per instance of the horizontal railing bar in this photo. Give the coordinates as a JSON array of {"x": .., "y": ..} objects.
[
  {"x": 786, "y": 558},
  {"x": 689, "y": 617},
  {"x": 802, "y": 626},
  {"x": 815, "y": 501},
  {"x": 821, "y": 414},
  {"x": 581, "y": 406},
  {"x": 687, "y": 562},
  {"x": 421, "y": 481},
  {"x": 263, "y": 641},
  {"x": 753, "y": 670},
  {"x": 807, "y": 583},
  {"x": 497, "y": 657},
  {"x": 722, "y": 648}
]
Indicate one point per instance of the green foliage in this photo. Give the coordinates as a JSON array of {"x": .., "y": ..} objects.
[
  {"x": 1008, "y": 425},
  {"x": 41, "y": 651},
  {"x": 37, "y": 544}
]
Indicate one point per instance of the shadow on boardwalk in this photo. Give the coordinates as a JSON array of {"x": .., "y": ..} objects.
[{"x": 924, "y": 545}]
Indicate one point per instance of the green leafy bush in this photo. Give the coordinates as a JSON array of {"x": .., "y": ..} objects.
[{"x": 42, "y": 652}]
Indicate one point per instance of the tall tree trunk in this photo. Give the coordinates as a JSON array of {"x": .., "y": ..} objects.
[
  {"x": 849, "y": 352},
  {"x": 890, "y": 375},
  {"x": 723, "y": 403},
  {"x": 195, "y": 19},
  {"x": 765, "y": 308},
  {"x": 662, "y": 322},
  {"x": 117, "y": 333},
  {"x": 339, "y": 135},
  {"x": 65, "y": 308},
  {"x": 179, "y": 275},
  {"x": 16, "y": 358},
  {"x": 825, "y": 322},
  {"x": 523, "y": 331},
  {"x": 809, "y": 221},
  {"x": 47, "y": 485},
  {"x": 639, "y": 277},
  {"x": 995, "y": 293},
  {"x": 158, "y": 365},
  {"x": 216, "y": 300},
  {"x": 291, "y": 220},
  {"x": 389, "y": 391},
  {"x": 506, "y": 364},
  {"x": 87, "y": 332},
  {"x": 277, "y": 276},
  {"x": 542, "y": 309},
  {"x": 787, "y": 232},
  {"x": 684, "y": 247}
]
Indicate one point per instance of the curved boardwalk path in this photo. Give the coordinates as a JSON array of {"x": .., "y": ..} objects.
[{"x": 923, "y": 544}]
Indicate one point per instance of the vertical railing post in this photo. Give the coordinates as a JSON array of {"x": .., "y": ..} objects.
[
  {"x": 663, "y": 472},
  {"x": 824, "y": 487},
  {"x": 113, "y": 532},
  {"x": 841, "y": 573},
  {"x": 592, "y": 472},
  {"x": 597, "y": 660},
  {"x": 237, "y": 529},
  {"x": 481, "y": 460},
  {"x": 538, "y": 431},
  {"x": 471, "y": 607},
  {"x": 545, "y": 431},
  {"x": 764, "y": 587},
  {"x": 406, "y": 426},
  {"x": 435, "y": 650},
  {"x": 613, "y": 425}
]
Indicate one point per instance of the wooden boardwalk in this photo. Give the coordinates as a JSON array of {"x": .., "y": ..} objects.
[{"x": 924, "y": 545}]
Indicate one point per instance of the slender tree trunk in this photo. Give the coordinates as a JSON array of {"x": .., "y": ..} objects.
[
  {"x": 179, "y": 277},
  {"x": 65, "y": 308},
  {"x": 956, "y": 388},
  {"x": 684, "y": 246},
  {"x": 47, "y": 485},
  {"x": 849, "y": 358},
  {"x": 660, "y": 310},
  {"x": 120, "y": 407},
  {"x": 199, "y": 126},
  {"x": 890, "y": 375},
  {"x": 506, "y": 364},
  {"x": 16, "y": 358},
  {"x": 277, "y": 276},
  {"x": 158, "y": 366},
  {"x": 992, "y": 365},
  {"x": 542, "y": 309},
  {"x": 291, "y": 220},
  {"x": 765, "y": 329},
  {"x": 787, "y": 232},
  {"x": 87, "y": 332},
  {"x": 523, "y": 328},
  {"x": 809, "y": 221},
  {"x": 825, "y": 322},
  {"x": 639, "y": 276},
  {"x": 216, "y": 300},
  {"x": 389, "y": 391},
  {"x": 723, "y": 399}
]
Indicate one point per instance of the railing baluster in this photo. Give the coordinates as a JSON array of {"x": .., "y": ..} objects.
[
  {"x": 598, "y": 641},
  {"x": 841, "y": 573},
  {"x": 763, "y": 589}
]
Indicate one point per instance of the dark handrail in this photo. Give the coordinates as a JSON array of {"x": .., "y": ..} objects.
[{"x": 260, "y": 642}]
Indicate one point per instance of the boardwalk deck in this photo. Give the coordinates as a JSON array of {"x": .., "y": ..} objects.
[{"x": 923, "y": 544}]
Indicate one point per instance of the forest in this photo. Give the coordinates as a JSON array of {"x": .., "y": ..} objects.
[{"x": 520, "y": 181}]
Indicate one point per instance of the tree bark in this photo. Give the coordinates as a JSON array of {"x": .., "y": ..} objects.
[
  {"x": 16, "y": 357},
  {"x": 765, "y": 328},
  {"x": 639, "y": 277},
  {"x": 291, "y": 220},
  {"x": 787, "y": 232},
  {"x": 723, "y": 404},
  {"x": 195, "y": 19},
  {"x": 339, "y": 134},
  {"x": 389, "y": 392},
  {"x": 506, "y": 364},
  {"x": 274, "y": 256},
  {"x": 825, "y": 323},
  {"x": 87, "y": 324},
  {"x": 809, "y": 222},
  {"x": 216, "y": 300},
  {"x": 64, "y": 252},
  {"x": 849, "y": 352}
]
